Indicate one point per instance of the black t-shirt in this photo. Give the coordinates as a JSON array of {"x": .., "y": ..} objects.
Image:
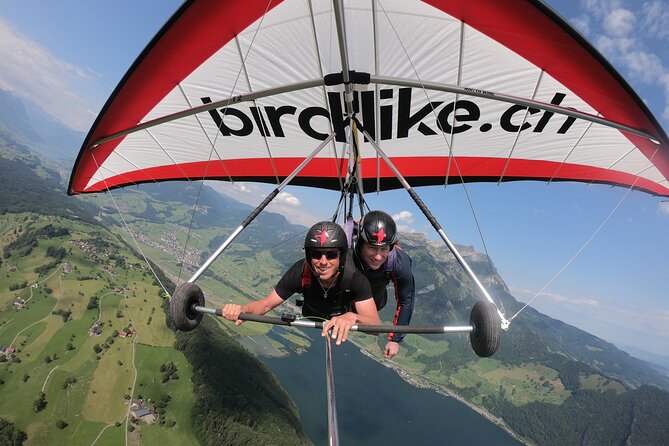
[{"x": 315, "y": 302}]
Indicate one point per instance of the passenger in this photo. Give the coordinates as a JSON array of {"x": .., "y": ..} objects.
[
  {"x": 381, "y": 260},
  {"x": 330, "y": 290}
]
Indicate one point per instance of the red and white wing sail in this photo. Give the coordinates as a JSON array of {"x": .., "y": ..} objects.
[{"x": 470, "y": 90}]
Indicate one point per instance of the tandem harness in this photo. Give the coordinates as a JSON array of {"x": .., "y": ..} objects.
[{"x": 344, "y": 295}]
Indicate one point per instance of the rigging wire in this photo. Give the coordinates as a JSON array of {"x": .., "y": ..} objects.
[
  {"x": 587, "y": 242},
  {"x": 450, "y": 148},
  {"x": 211, "y": 152},
  {"x": 127, "y": 228}
]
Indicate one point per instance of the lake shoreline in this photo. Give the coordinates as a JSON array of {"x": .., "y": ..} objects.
[
  {"x": 409, "y": 378},
  {"x": 423, "y": 383}
]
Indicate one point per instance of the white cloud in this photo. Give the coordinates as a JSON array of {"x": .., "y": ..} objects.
[
  {"x": 655, "y": 17},
  {"x": 619, "y": 22},
  {"x": 233, "y": 188},
  {"x": 30, "y": 71},
  {"x": 285, "y": 203},
  {"x": 404, "y": 217},
  {"x": 289, "y": 199},
  {"x": 632, "y": 35},
  {"x": 601, "y": 8},
  {"x": 582, "y": 23},
  {"x": 643, "y": 65}
]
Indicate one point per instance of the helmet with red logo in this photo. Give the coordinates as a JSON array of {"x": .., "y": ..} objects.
[
  {"x": 378, "y": 228},
  {"x": 326, "y": 234}
]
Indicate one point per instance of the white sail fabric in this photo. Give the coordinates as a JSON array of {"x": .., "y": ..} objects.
[{"x": 488, "y": 53}]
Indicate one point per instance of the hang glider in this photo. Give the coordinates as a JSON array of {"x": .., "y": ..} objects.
[
  {"x": 452, "y": 91},
  {"x": 379, "y": 94}
]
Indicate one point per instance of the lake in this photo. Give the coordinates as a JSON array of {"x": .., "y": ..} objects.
[{"x": 374, "y": 405}]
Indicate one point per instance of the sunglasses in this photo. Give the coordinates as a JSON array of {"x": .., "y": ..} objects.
[{"x": 316, "y": 254}]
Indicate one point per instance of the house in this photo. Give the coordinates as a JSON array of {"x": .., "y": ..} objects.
[
  {"x": 19, "y": 303},
  {"x": 9, "y": 351},
  {"x": 126, "y": 334},
  {"x": 95, "y": 330},
  {"x": 136, "y": 404},
  {"x": 139, "y": 413}
]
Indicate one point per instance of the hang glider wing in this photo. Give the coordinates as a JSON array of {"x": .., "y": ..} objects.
[{"x": 470, "y": 90}]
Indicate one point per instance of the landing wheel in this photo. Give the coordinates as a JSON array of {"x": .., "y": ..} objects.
[
  {"x": 487, "y": 331},
  {"x": 182, "y": 306}
]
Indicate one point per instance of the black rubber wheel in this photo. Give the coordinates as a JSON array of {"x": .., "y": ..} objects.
[
  {"x": 486, "y": 336},
  {"x": 182, "y": 306}
]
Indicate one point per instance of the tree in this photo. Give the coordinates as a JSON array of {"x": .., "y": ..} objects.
[
  {"x": 40, "y": 403},
  {"x": 61, "y": 424},
  {"x": 10, "y": 435}
]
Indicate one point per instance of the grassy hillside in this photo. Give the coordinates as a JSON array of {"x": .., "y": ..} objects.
[
  {"x": 61, "y": 385},
  {"x": 84, "y": 378}
]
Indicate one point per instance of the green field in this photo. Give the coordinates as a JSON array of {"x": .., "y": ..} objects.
[{"x": 83, "y": 388}]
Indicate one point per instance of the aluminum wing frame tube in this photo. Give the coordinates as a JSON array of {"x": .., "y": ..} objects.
[
  {"x": 338, "y": 6},
  {"x": 435, "y": 224},
  {"x": 343, "y": 53},
  {"x": 246, "y": 97},
  {"x": 260, "y": 207},
  {"x": 513, "y": 100},
  {"x": 306, "y": 323},
  {"x": 333, "y": 428}
]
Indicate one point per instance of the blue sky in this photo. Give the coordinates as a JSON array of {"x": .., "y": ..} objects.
[{"x": 68, "y": 56}]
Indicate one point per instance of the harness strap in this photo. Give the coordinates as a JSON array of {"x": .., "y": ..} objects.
[
  {"x": 350, "y": 229},
  {"x": 388, "y": 273},
  {"x": 306, "y": 276}
]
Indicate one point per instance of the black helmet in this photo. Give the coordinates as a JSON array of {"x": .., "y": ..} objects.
[
  {"x": 326, "y": 234},
  {"x": 378, "y": 228}
]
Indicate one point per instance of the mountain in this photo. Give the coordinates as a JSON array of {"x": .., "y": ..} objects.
[
  {"x": 26, "y": 123},
  {"x": 14, "y": 118},
  {"x": 532, "y": 336},
  {"x": 28, "y": 185},
  {"x": 659, "y": 362},
  {"x": 550, "y": 382}
]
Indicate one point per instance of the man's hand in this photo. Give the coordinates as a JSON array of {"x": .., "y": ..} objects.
[
  {"x": 340, "y": 326},
  {"x": 231, "y": 312},
  {"x": 391, "y": 350}
]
